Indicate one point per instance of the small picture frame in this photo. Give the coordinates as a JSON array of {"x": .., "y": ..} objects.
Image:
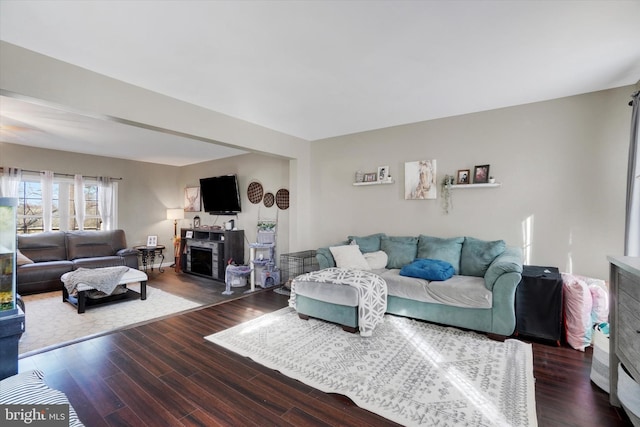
[
  {"x": 152, "y": 240},
  {"x": 383, "y": 173},
  {"x": 481, "y": 174},
  {"x": 464, "y": 176},
  {"x": 370, "y": 177},
  {"x": 188, "y": 234}
]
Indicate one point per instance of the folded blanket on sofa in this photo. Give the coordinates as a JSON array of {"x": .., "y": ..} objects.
[
  {"x": 104, "y": 279},
  {"x": 428, "y": 269}
]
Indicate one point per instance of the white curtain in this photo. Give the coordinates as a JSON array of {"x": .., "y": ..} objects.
[
  {"x": 105, "y": 201},
  {"x": 10, "y": 182},
  {"x": 78, "y": 200},
  {"x": 46, "y": 182},
  {"x": 632, "y": 220}
]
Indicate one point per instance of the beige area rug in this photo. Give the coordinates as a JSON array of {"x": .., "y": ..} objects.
[
  {"x": 412, "y": 372},
  {"x": 51, "y": 322}
]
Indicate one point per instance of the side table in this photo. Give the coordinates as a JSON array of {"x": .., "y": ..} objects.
[
  {"x": 148, "y": 255},
  {"x": 539, "y": 303}
]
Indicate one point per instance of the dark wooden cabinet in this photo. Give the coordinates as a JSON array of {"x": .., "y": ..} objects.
[
  {"x": 624, "y": 331},
  {"x": 207, "y": 252},
  {"x": 539, "y": 303}
]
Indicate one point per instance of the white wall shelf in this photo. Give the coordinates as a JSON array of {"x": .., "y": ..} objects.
[
  {"x": 494, "y": 185},
  {"x": 374, "y": 183}
]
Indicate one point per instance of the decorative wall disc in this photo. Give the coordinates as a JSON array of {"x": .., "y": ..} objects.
[
  {"x": 268, "y": 199},
  {"x": 254, "y": 192},
  {"x": 282, "y": 198}
]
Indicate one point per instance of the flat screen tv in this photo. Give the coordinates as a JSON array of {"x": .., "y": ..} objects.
[{"x": 220, "y": 195}]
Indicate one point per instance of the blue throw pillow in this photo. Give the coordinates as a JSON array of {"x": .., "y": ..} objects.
[{"x": 428, "y": 269}]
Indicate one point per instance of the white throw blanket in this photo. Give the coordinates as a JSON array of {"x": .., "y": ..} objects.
[
  {"x": 372, "y": 293},
  {"x": 104, "y": 279}
]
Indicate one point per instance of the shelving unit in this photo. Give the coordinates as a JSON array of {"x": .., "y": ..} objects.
[
  {"x": 357, "y": 184},
  {"x": 476, "y": 186}
]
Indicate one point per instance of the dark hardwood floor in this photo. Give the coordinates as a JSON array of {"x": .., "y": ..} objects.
[{"x": 165, "y": 373}]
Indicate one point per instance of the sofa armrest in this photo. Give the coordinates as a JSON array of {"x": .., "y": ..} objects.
[
  {"x": 127, "y": 252},
  {"x": 510, "y": 261},
  {"x": 325, "y": 258}
]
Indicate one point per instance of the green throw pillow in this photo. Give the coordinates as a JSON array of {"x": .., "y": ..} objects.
[
  {"x": 442, "y": 249},
  {"x": 367, "y": 244},
  {"x": 478, "y": 254},
  {"x": 400, "y": 250}
]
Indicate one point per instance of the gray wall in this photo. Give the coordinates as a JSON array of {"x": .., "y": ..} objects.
[{"x": 562, "y": 165}]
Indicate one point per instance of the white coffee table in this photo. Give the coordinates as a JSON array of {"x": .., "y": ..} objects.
[{"x": 82, "y": 302}]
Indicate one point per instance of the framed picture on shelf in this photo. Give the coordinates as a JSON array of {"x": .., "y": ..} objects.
[
  {"x": 463, "y": 176},
  {"x": 152, "y": 240},
  {"x": 370, "y": 177},
  {"x": 481, "y": 174},
  {"x": 383, "y": 173},
  {"x": 188, "y": 234}
]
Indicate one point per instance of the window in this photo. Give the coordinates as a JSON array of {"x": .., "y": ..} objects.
[{"x": 30, "y": 217}]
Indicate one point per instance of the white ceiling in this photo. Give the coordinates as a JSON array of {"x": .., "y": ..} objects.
[{"x": 317, "y": 69}]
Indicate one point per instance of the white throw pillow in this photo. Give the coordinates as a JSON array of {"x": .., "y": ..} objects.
[
  {"x": 376, "y": 260},
  {"x": 349, "y": 256}
]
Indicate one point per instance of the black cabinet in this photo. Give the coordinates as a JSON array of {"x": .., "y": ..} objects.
[
  {"x": 206, "y": 252},
  {"x": 539, "y": 303}
]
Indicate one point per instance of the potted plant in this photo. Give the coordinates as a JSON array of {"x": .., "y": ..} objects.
[{"x": 445, "y": 187}]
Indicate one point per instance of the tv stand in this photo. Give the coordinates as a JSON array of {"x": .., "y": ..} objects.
[{"x": 207, "y": 251}]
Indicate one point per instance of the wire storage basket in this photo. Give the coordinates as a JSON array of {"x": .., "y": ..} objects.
[{"x": 295, "y": 264}]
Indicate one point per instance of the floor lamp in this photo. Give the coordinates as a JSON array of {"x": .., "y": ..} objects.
[{"x": 175, "y": 215}]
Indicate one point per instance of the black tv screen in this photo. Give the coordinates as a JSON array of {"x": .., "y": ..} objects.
[{"x": 220, "y": 195}]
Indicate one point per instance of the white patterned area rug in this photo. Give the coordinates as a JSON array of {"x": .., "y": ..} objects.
[
  {"x": 411, "y": 372},
  {"x": 51, "y": 322}
]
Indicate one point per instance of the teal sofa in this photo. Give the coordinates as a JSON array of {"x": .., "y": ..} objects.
[{"x": 491, "y": 263}]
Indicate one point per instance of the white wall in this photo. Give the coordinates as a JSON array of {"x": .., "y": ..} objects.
[{"x": 562, "y": 164}]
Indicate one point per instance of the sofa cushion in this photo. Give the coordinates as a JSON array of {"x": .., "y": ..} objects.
[
  {"x": 87, "y": 244},
  {"x": 376, "y": 260},
  {"x": 443, "y": 249},
  {"x": 349, "y": 256},
  {"x": 428, "y": 269},
  {"x": 46, "y": 246},
  {"x": 42, "y": 271},
  {"x": 367, "y": 244},
  {"x": 21, "y": 259},
  {"x": 400, "y": 250},
  {"x": 98, "y": 262},
  {"x": 458, "y": 291},
  {"x": 477, "y": 255}
]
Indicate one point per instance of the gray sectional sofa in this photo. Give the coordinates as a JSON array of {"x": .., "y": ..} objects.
[
  {"x": 479, "y": 296},
  {"x": 47, "y": 256}
]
